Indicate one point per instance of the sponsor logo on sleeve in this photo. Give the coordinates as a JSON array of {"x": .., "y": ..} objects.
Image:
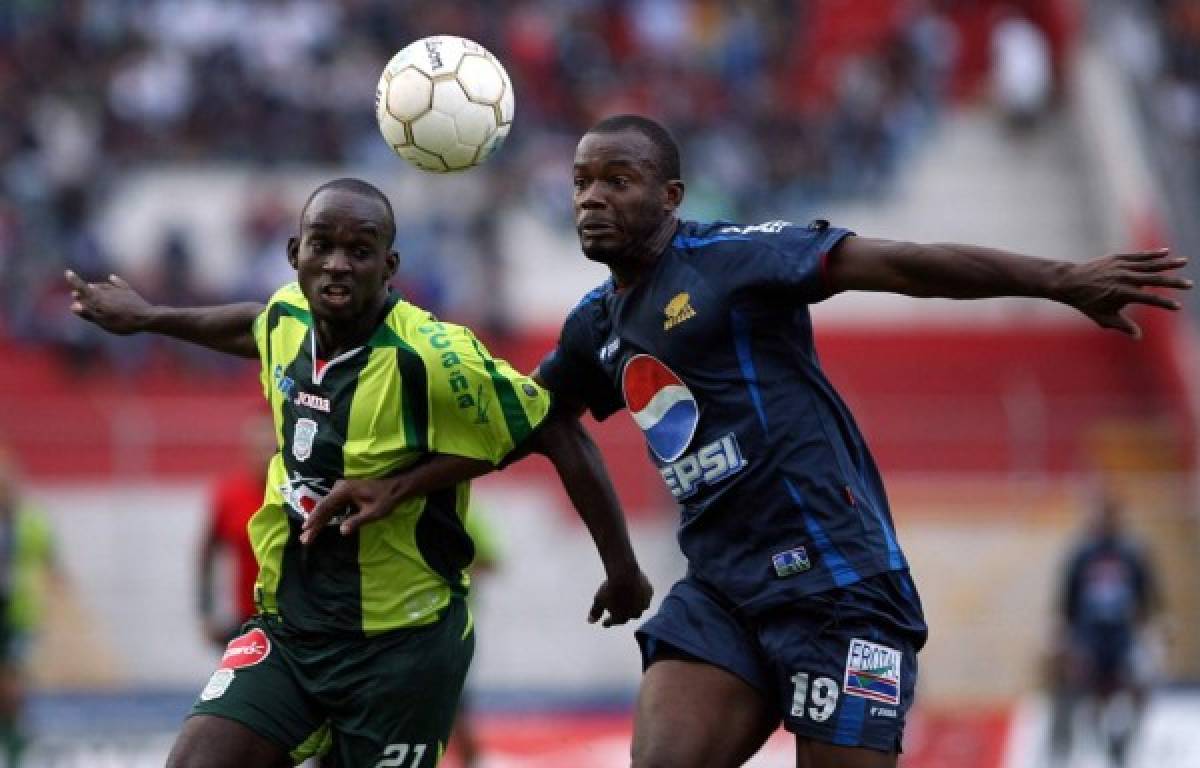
[
  {"x": 766, "y": 228},
  {"x": 438, "y": 336},
  {"x": 873, "y": 672}
]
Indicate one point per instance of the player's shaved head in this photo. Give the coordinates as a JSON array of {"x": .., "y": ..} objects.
[
  {"x": 666, "y": 150},
  {"x": 365, "y": 189}
]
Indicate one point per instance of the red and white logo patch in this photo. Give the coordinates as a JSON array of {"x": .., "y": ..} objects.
[{"x": 246, "y": 650}]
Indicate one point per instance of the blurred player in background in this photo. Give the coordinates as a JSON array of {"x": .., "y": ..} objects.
[
  {"x": 235, "y": 498},
  {"x": 1108, "y": 603},
  {"x": 364, "y": 638},
  {"x": 27, "y": 566},
  {"x": 463, "y": 739}
]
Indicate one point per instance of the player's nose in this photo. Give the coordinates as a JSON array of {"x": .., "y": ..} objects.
[
  {"x": 337, "y": 260},
  {"x": 588, "y": 197}
]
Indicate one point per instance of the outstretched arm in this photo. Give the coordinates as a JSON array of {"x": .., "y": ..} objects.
[
  {"x": 117, "y": 308},
  {"x": 625, "y": 593},
  {"x": 1100, "y": 288}
]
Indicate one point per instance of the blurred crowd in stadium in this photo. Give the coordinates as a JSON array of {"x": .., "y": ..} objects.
[{"x": 99, "y": 88}]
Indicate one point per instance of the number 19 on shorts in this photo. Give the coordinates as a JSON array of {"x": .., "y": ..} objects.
[{"x": 817, "y": 701}]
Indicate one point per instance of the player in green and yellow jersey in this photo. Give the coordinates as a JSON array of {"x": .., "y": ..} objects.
[{"x": 363, "y": 637}]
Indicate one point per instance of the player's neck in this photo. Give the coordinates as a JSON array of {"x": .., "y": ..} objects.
[
  {"x": 644, "y": 256},
  {"x": 335, "y": 338}
]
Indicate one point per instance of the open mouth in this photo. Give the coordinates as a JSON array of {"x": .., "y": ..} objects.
[{"x": 336, "y": 294}]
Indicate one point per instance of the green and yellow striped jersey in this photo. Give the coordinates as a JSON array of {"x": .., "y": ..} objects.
[{"x": 417, "y": 386}]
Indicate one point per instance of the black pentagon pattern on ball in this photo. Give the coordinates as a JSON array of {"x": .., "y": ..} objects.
[{"x": 480, "y": 138}]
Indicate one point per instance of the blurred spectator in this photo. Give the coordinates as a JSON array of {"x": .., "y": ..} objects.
[
  {"x": 235, "y": 499},
  {"x": 27, "y": 564},
  {"x": 1022, "y": 73},
  {"x": 464, "y": 739},
  {"x": 95, "y": 89},
  {"x": 1109, "y": 597},
  {"x": 266, "y": 229}
]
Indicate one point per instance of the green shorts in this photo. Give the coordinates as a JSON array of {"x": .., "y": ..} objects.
[{"x": 389, "y": 698}]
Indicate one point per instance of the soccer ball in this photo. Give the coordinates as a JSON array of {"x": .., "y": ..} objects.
[{"x": 444, "y": 103}]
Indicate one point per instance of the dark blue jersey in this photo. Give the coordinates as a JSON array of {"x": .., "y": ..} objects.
[
  {"x": 1109, "y": 585},
  {"x": 712, "y": 353}
]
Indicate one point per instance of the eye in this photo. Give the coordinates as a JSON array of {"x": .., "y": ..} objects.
[
  {"x": 363, "y": 252},
  {"x": 317, "y": 245},
  {"x": 620, "y": 182},
  {"x": 579, "y": 183}
]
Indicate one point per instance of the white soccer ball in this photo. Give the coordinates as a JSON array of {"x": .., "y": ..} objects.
[{"x": 444, "y": 103}]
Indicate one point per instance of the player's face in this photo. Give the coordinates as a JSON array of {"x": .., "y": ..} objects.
[
  {"x": 620, "y": 201},
  {"x": 342, "y": 259}
]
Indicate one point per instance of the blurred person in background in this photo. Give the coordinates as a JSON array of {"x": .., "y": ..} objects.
[
  {"x": 1105, "y": 644},
  {"x": 464, "y": 739},
  {"x": 97, "y": 91},
  {"x": 1022, "y": 71},
  {"x": 235, "y": 498},
  {"x": 362, "y": 638},
  {"x": 28, "y": 566}
]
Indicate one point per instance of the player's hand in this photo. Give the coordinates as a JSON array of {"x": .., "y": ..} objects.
[
  {"x": 361, "y": 499},
  {"x": 1103, "y": 288},
  {"x": 112, "y": 305},
  {"x": 622, "y": 596}
]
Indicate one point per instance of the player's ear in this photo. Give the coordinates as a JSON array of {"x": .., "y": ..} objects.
[
  {"x": 674, "y": 195},
  {"x": 293, "y": 249},
  {"x": 392, "y": 260}
]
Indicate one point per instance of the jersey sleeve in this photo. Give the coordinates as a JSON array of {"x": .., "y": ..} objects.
[
  {"x": 480, "y": 407},
  {"x": 571, "y": 371},
  {"x": 782, "y": 260},
  {"x": 289, "y": 294},
  {"x": 260, "y": 341}
]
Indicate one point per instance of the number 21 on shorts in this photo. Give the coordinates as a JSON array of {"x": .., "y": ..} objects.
[{"x": 823, "y": 695}]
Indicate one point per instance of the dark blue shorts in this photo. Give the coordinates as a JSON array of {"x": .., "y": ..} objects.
[{"x": 840, "y": 667}]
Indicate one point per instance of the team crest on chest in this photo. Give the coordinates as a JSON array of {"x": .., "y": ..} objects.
[
  {"x": 303, "y": 439},
  {"x": 677, "y": 310}
]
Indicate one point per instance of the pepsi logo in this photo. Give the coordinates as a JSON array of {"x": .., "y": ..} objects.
[
  {"x": 661, "y": 405},
  {"x": 246, "y": 650}
]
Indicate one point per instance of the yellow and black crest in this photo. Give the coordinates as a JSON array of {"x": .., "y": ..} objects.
[{"x": 677, "y": 310}]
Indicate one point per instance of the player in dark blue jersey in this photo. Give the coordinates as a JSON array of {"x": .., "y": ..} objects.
[
  {"x": 797, "y": 605},
  {"x": 1109, "y": 601}
]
